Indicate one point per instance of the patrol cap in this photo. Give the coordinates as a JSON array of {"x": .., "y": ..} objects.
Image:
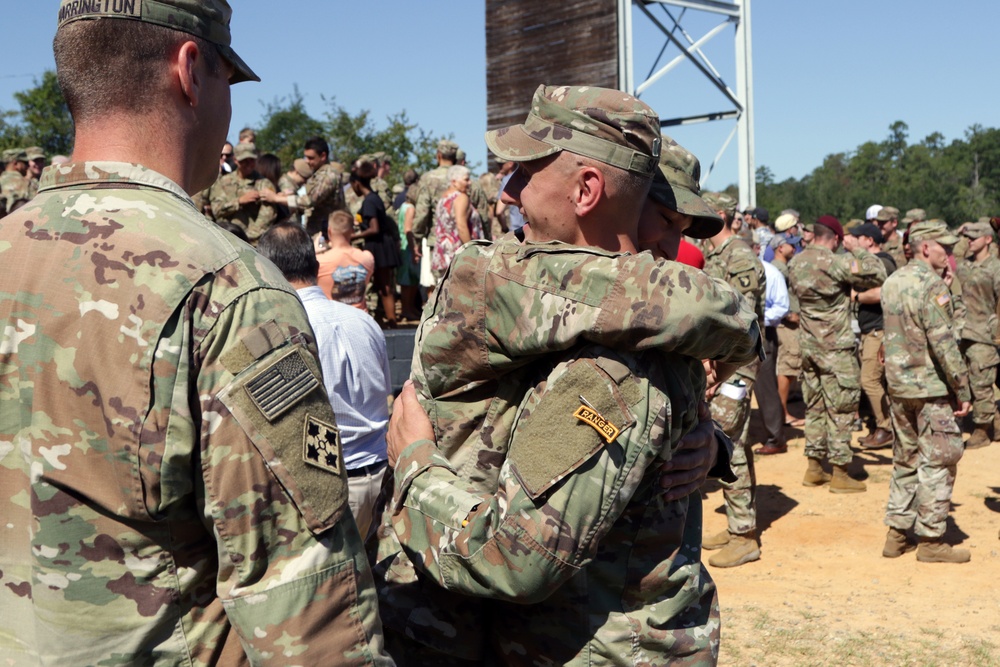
[
  {"x": 676, "y": 186},
  {"x": 447, "y": 148},
  {"x": 852, "y": 226},
  {"x": 720, "y": 201},
  {"x": 932, "y": 230},
  {"x": 244, "y": 151},
  {"x": 975, "y": 230},
  {"x": 603, "y": 124},
  {"x": 302, "y": 168},
  {"x": 871, "y": 231},
  {"x": 916, "y": 215},
  {"x": 832, "y": 224},
  {"x": 34, "y": 153},
  {"x": 784, "y": 222},
  {"x": 791, "y": 239},
  {"x": 15, "y": 155},
  {"x": 887, "y": 213},
  {"x": 207, "y": 19},
  {"x": 459, "y": 155}
]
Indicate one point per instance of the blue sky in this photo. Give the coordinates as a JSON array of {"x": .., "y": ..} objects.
[{"x": 828, "y": 75}]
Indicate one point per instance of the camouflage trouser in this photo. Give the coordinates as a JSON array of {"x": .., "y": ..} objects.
[
  {"x": 925, "y": 455},
  {"x": 741, "y": 502},
  {"x": 831, "y": 391},
  {"x": 982, "y": 359},
  {"x": 873, "y": 378}
]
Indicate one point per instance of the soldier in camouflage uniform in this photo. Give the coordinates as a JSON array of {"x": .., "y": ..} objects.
[
  {"x": 237, "y": 197},
  {"x": 928, "y": 388},
  {"x": 730, "y": 259},
  {"x": 887, "y": 220},
  {"x": 430, "y": 188},
  {"x": 36, "y": 163},
  {"x": 979, "y": 273},
  {"x": 535, "y": 417},
  {"x": 14, "y": 185},
  {"x": 324, "y": 189},
  {"x": 173, "y": 489},
  {"x": 823, "y": 281}
]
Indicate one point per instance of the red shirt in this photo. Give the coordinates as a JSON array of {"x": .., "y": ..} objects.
[{"x": 689, "y": 254}]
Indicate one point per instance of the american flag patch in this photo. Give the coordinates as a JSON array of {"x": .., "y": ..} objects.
[
  {"x": 281, "y": 385},
  {"x": 943, "y": 299}
]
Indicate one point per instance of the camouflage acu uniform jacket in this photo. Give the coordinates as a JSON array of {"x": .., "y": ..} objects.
[
  {"x": 504, "y": 317},
  {"x": 253, "y": 218},
  {"x": 164, "y": 496},
  {"x": 980, "y": 295},
  {"x": 324, "y": 195},
  {"x": 822, "y": 281},
  {"x": 894, "y": 246},
  {"x": 922, "y": 358},
  {"x": 735, "y": 263},
  {"x": 431, "y": 186},
  {"x": 13, "y": 188}
]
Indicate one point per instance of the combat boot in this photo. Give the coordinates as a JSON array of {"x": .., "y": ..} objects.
[
  {"x": 741, "y": 549},
  {"x": 979, "y": 438},
  {"x": 716, "y": 541},
  {"x": 933, "y": 550},
  {"x": 844, "y": 483},
  {"x": 896, "y": 544},
  {"x": 815, "y": 475}
]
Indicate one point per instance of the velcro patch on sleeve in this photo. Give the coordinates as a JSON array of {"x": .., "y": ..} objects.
[
  {"x": 281, "y": 385},
  {"x": 321, "y": 445},
  {"x": 553, "y": 437},
  {"x": 943, "y": 299}
]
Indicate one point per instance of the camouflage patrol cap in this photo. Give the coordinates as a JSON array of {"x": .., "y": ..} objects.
[
  {"x": 975, "y": 230},
  {"x": 916, "y": 215},
  {"x": 932, "y": 230},
  {"x": 459, "y": 155},
  {"x": 676, "y": 186},
  {"x": 603, "y": 124},
  {"x": 853, "y": 226},
  {"x": 207, "y": 19},
  {"x": 35, "y": 153},
  {"x": 984, "y": 218},
  {"x": 244, "y": 151},
  {"x": 447, "y": 148},
  {"x": 887, "y": 213},
  {"x": 720, "y": 201},
  {"x": 15, "y": 155}
]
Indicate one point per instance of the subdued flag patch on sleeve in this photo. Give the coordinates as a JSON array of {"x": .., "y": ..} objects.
[
  {"x": 321, "y": 445},
  {"x": 943, "y": 299},
  {"x": 281, "y": 385}
]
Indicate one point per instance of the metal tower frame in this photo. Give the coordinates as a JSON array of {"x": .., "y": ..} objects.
[{"x": 737, "y": 13}]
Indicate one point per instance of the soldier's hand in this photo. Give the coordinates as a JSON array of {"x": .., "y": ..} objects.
[
  {"x": 963, "y": 409},
  {"x": 850, "y": 242},
  {"x": 269, "y": 197},
  {"x": 249, "y": 197},
  {"x": 408, "y": 424},
  {"x": 711, "y": 377},
  {"x": 696, "y": 454}
]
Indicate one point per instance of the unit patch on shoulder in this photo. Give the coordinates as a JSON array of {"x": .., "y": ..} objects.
[
  {"x": 281, "y": 385},
  {"x": 590, "y": 416},
  {"x": 321, "y": 445}
]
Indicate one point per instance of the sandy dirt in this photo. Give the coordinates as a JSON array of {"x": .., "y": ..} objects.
[{"x": 822, "y": 594}]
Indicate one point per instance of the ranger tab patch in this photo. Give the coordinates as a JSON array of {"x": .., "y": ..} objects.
[
  {"x": 321, "y": 445},
  {"x": 591, "y": 416},
  {"x": 281, "y": 385}
]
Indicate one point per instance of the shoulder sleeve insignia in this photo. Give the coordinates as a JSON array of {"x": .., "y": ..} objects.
[
  {"x": 321, "y": 445},
  {"x": 854, "y": 266},
  {"x": 943, "y": 299},
  {"x": 744, "y": 281},
  {"x": 281, "y": 385}
]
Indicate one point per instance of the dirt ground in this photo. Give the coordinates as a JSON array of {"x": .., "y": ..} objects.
[{"x": 822, "y": 594}]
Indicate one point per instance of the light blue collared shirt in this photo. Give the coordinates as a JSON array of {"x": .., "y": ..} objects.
[
  {"x": 775, "y": 296},
  {"x": 355, "y": 372}
]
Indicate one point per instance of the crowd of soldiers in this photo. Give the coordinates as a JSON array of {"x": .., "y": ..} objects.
[
  {"x": 175, "y": 485},
  {"x": 901, "y": 311}
]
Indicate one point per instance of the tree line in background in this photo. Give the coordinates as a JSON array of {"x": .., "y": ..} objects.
[
  {"x": 956, "y": 182},
  {"x": 43, "y": 120},
  {"x": 959, "y": 181}
]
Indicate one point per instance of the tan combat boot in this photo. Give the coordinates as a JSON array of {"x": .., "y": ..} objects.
[
  {"x": 815, "y": 476},
  {"x": 979, "y": 438},
  {"x": 844, "y": 483},
  {"x": 741, "y": 549},
  {"x": 716, "y": 541},
  {"x": 896, "y": 544},
  {"x": 935, "y": 551}
]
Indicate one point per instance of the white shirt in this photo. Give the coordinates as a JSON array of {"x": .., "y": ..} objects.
[{"x": 775, "y": 296}]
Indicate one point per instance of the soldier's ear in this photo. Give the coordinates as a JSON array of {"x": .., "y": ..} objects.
[{"x": 589, "y": 189}]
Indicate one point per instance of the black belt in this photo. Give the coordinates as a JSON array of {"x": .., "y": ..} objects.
[{"x": 369, "y": 469}]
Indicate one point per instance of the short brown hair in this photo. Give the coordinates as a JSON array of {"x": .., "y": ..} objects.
[
  {"x": 114, "y": 65},
  {"x": 340, "y": 223}
]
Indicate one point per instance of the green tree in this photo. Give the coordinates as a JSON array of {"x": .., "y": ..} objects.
[
  {"x": 285, "y": 127},
  {"x": 42, "y": 120}
]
